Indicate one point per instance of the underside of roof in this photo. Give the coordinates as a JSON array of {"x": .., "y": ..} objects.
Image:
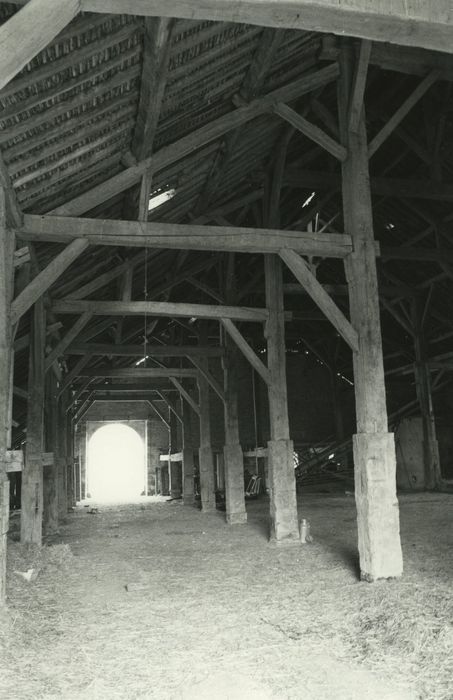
[{"x": 205, "y": 104}]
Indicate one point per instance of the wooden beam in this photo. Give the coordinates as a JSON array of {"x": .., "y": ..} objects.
[
  {"x": 101, "y": 280},
  {"x": 46, "y": 278},
  {"x": 158, "y": 413},
  {"x": 137, "y": 350},
  {"x": 72, "y": 333},
  {"x": 302, "y": 272},
  {"x": 73, "y": 373},
  {"x": 201, "y": 365},
  {"x": 311, "y": 131},
  {"x": 407, "y": 60},
  {"x": 29, "y": 31},
  {"x": 185, "y": 394},
  {"x": 159, "y": 308},
  {"x": 183, "y": 236},
  {"x": 402, "y": 111},
  {"x": 246, "y": 349},
  {"x": 171, "y": 407},
  {"x": 416, "y": 24},
  {"x": 154, "y": 76},
  {"x": 190, "y": 143},
  {"x": 358, "y": 88},
  {"x": 137, "y": 372}
]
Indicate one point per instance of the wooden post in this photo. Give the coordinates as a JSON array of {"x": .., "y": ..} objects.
[
  {"x": 60, "y": 457},
  {"x": 6, "y": 292},
  {"x": 232, "y": 451},
  {"x": 205, "y": 454},
  {"x": 374, "y": 447},
  {"x": 174, "y": 467},
  {"x": 70, "y": 461},
  {"x": 32, "y": 476},
  {"x": 50, "y": 505},
  {"x": 282, "y": 483},
  {"x": 187, "y": 454},
  {"x": 424, "y": 395}
]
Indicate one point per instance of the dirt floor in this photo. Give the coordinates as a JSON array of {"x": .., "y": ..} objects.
[{"x": 156, "y": 600}]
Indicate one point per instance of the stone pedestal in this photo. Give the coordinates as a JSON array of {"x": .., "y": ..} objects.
[
  {"x": 377, "y": 506},
  {"x": 282, "y": 486},
  {"x": 207, "y": 493},
  {"x": 176, "y": 480},
  {"x": 234, "y": 485}
]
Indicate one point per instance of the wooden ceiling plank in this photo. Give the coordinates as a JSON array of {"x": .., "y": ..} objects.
[
  {"x": 190, "y": 143},
  {"x": 29, "y": 31},
  {"x": 416, "y": 24}
]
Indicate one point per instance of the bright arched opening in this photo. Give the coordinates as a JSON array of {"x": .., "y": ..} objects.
[{"x": 116, "y": 464}]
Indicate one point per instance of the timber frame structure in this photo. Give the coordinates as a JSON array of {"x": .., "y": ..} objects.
[{"x": 302, "y": 150}]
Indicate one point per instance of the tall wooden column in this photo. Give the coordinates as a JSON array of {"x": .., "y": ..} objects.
[
  {"x": 6, "y": 358},
  {"x": 70, "y": 461},
  {"x": 61, "y": 457},
  {"x": 282, "y": 482},
  {"x": 233, "y": 455},
  {"x": 32, "y": 476},
  {"x": 424, "y": 395},
  {"x": 187, "y": 454},
  {"x": 50, "y": 504},
  {"x": 374, "y": 447},
  {"x": 206, "y": 456},
  {"x": 174, "y": 467}
]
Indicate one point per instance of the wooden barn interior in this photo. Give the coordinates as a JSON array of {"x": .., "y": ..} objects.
[{"x": 225, "y": 228}]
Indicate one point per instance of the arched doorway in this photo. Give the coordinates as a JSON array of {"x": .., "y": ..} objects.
[{"x": 116, "y": 463}]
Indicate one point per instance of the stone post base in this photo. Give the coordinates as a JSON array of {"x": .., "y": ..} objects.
[
  {"x": 282, "y": 487},
  {"x": 377, "y": 506},
  {"x": 234, "y": 484}
]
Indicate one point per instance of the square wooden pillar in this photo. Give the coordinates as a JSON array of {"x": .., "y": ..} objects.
[
  {"x": 187, "y": 455},
  {"x": 205, "y": 453},
  {"x": 50, "y": 503},
  {"x": 7, "y": 243},
  {"x": 374, "y": 449},
  {"x": 32, "y": 476},
  {"x": 282, "y": 482},
  {"x": 61, "y": 457},
  {"x": 232, "y": 451}
]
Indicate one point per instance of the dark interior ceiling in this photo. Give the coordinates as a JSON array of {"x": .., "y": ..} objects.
[{"x": 73, "y": 118}]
